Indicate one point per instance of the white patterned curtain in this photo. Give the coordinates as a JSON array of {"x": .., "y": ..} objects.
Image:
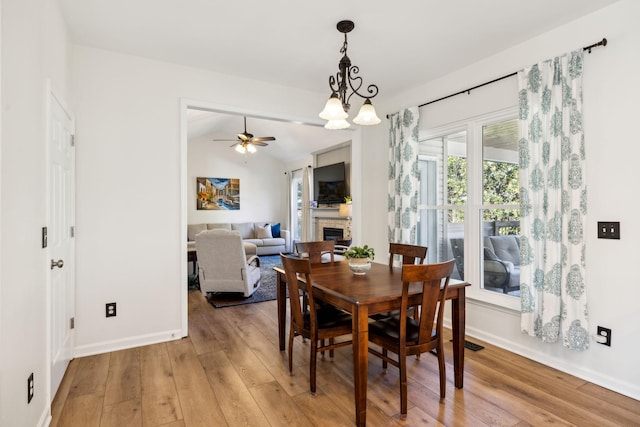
[
  {"x": 553, "y": 202},
  {"x": 403, "y": 176}
]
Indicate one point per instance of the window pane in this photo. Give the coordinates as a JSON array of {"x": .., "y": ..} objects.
[
  {"x": 500, "y": 163},
  {"x": 500, "y": 252}
]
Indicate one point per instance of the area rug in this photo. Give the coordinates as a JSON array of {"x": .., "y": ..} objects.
[{"x": 266, "y": 291}]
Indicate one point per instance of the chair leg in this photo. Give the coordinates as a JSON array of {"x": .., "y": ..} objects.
[
  {"x": 402, "y": 361},
  {"x": 441, "y": 369},
  {"x": 384, "y": 362},
  {"x": 331, "y": 341},
  {"x": 312, "y": 365},
  {"x": 291, "y": 336}
]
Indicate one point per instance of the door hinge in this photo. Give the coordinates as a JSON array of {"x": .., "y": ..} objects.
[
  {"x": 73, "y": 140},
  {"x": 73, "y": 231},
  {"x": 72, "y": 323}
]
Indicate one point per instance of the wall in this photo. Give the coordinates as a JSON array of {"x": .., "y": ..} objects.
[
  {"x": 610, "y": 94},
  {"x": 131, "y": 205},
  {"x": 35, "y": 50},
  {"x": 262, "y": 182}
]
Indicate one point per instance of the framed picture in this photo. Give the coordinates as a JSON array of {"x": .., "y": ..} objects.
[{"x": 218, "y": 194}]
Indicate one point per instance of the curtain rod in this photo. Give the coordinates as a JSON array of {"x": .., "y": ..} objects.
[{"x": 602, "y": 42}]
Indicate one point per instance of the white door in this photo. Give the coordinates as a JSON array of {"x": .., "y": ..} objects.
[{"x": 60, "y": 239}]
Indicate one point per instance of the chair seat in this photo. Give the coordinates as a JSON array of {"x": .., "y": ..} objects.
[
  {"x": 389, "y": 328},
  {"x": 328, "y": 317}
]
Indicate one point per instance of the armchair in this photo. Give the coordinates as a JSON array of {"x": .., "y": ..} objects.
[{"x": 223, "y": 265}]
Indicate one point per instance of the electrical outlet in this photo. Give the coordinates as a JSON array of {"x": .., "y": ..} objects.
[
  {"x": 608, "y": 230},
  {"x": 30, "y": 388},
  {"x": 606, "y": 333},
  {"x": 110, "y": 309}
]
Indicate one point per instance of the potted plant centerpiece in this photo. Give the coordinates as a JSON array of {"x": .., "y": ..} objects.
[{"x": 359, "y": 258}]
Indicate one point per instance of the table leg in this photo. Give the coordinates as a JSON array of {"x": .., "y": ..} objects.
[
  {"x": 360, "y": 361},
  {"x": 458, "y": 321},
  {"x": 281, "y": 292}
]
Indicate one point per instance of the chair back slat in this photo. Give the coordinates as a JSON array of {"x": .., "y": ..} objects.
[{"x": 411, "y": 254}]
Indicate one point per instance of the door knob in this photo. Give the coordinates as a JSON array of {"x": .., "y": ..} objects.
[{"x": 58, "y": 264}]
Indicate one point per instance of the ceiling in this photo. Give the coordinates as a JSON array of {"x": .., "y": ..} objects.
[{"x": 296, "y": 44}]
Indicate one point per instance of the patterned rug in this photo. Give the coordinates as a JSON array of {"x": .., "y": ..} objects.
[{"x": 266, "y": 291}]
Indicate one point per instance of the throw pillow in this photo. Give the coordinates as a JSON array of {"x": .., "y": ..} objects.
[
  {"x": 264, "y": 232},
  {"x": 275, "y": 230}
]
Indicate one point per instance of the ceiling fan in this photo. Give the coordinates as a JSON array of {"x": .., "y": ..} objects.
[{"x": 247, "y": 142}]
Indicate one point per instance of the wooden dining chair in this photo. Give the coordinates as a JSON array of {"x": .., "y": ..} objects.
[
  {"x": 310, "y": 321},
  {"x": 317, "y": 252},
  {"x": 404, "y": 335},
  {"x": 409, "y": 253}
]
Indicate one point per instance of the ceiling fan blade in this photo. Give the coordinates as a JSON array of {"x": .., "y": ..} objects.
[
  {"x": 263, "y": 138},
  {"x": 233, "y": 145},
  {"x": 259, "y": 144},
  {"x": 245, "y": 136},
  {"x": 225, "y": 140}
]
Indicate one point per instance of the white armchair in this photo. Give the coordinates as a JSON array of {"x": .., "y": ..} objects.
[{"x": 223, "y": 265}]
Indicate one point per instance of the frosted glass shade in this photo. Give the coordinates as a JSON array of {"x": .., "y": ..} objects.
[
  {"x": 337, "y": 124},
  {"x": 251, "y": 148},
  {"x": 240, "y": 149},
  {"x": 367, "y": 115},
  {"x": 333, "y": 110}
]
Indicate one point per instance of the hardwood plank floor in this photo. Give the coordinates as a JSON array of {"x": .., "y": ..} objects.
[{"x": 229, "y": 372}]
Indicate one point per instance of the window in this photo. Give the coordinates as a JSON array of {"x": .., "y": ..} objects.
[
  {"x": 296, "y": 205},
  {"x": 469, "y": 202}
]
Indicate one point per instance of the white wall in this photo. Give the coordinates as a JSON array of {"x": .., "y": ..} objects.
[
  {"x": 34, "y": 48},
  {"x": 131, "y": 240},
  {"x": 611, "y": 92},
  {"x": 262, "y": 182}
]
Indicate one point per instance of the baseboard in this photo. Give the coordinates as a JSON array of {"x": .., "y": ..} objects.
[
  {"x": 129, "y": 342},
  {"x": 45, "y": 418},
  {"x": 625, "y": 388}
]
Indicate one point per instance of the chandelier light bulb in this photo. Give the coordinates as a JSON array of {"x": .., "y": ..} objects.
[{"x": 367, "y": 115}]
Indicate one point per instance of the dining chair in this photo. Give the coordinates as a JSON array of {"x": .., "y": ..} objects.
[
  {"x": 317, "y": 252},
  {"x": 411, "y": 254},
  {"x": 404, "y": 335},
  {"x": 309, "y": 321}
]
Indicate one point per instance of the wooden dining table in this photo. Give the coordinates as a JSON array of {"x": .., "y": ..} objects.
[{"x": 379, "y": 291}]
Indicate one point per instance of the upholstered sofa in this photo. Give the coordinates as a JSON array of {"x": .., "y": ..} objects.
[
  {"x": 501, "y": 261},
  {"x": 260, "y": 234}
]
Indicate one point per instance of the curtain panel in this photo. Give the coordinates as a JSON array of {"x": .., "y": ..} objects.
[
  {"x": 403, "y": 176},
  {"x": 553, "y": 202}
]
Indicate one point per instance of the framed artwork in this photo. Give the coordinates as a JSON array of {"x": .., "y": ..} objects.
[{"x": 218, "y": 194}]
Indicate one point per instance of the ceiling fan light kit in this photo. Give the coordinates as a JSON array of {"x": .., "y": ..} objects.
[
  {"x": 347, "y": 78},
  {"x": 246, "y": 142}
]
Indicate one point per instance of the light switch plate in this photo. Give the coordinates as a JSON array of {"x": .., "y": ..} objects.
[{"x": 608, "y": 230}]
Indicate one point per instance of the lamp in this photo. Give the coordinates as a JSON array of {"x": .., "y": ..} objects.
[
  {"x": 345, "y": 211},
  {"x": 337, "y": 107}
]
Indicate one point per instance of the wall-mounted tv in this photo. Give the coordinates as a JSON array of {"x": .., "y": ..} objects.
[{"x": 329, "y": 184}]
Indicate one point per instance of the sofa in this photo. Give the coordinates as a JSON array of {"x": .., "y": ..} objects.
[
  {"x": 501, "y": 261},
  {"x": 268, "y": 237}
]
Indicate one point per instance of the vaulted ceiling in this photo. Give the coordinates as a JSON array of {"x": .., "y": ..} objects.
[{"x": 295, "y": 43}]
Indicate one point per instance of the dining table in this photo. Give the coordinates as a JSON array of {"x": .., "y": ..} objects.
[{"x": 378, "y": 291}]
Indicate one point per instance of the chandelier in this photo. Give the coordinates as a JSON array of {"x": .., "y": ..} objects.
[{"x": 347, "y": 78}]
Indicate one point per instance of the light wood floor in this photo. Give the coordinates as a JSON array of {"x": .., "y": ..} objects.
[{"x": 229, "y": 372}]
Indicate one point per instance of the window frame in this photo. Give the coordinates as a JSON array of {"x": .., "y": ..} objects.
[{"x": 475, "y": 204}]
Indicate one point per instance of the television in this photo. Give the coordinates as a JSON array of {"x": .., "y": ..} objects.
[{"x": 329, "y": 184}]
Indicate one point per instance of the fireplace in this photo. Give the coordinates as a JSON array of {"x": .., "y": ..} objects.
[{"x": 331, "y": 233}]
